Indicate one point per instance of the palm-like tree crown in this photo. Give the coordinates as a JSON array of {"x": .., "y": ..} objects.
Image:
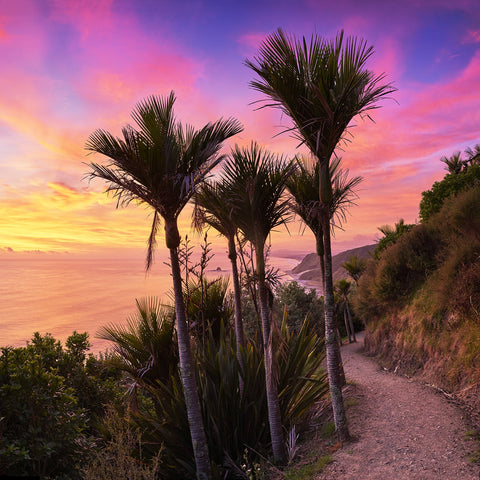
[
  {"x": 473, "y": 155},
  {"x": 212, "y": 207},
  {"x": 453, "y": 164},
  {"x": 257, "y": 200},
  {"x": 321, "y": 85},
  {"x": 162, "y": 162},
  {"x": 355, "y": 266},
  {"x": 303, "y": 185},
  {"x": 145, "y": 346},
  {"x": 343, "y": 288}
]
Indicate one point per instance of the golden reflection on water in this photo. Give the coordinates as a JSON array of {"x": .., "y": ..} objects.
[{"x": 59, "y": 294}]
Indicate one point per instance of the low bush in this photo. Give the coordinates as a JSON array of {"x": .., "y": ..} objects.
[
  {"x": 120, "y": 456},
  {"x": 401, "y": 270},
  {"x": 451, "y": 185},
  {"x": 300, "y": 304},
  {"x": 51, "y": 402},
  {"x": 431, "y": 322}
]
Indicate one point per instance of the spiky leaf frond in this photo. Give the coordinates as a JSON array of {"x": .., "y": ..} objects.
[
  {"x": 304, "y": 189},
  {"x": 145, "y": 346},
  {"x": 213, "y": 207},
  {"x": 159, "y": 163},
  {"x": 320, "y": 85},
  {"x": 258, "y": 180}
]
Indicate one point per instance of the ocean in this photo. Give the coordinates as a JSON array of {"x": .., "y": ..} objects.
[{"x": 58, "y": 294}]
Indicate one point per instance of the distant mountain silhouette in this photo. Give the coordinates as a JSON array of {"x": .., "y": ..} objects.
[{"x": 308, "y": 270}]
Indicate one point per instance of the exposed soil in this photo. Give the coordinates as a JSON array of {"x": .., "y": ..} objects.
[{"x": 402, "y": 429}]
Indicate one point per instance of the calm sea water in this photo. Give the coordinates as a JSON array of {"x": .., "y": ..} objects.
[{"x": 58, "y": 294}]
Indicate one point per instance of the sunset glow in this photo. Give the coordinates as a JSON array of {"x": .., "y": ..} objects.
[{"x": 72, "y": 66}]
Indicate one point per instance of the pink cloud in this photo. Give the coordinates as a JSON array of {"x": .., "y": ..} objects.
[
  {"x": 473, "y": 36},
  {"x": 250, "y": 43},
  {"x": 3, "y": 34},
  {"x": 117, "y": 65},
  {"x": 357, "y": 25},
  {"x": 388, "y": 59},
  {"x": 112, "y": 65},
  {"x": 87, "y": 16},
  {"x": 428, "y": 118}
]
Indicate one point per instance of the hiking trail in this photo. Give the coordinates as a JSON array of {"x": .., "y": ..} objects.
[{"x": 402, "y": 429}]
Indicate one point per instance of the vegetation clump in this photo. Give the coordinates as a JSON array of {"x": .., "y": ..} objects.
[
  {"x": 420, "y": 299},
  {"x": 52, "y": 403},
  {"x": 462, "y": 175}
]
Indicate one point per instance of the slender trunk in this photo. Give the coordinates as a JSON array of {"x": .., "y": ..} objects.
[
  {"x": 331, "y": 343},
  {"x": 321, "y": 257},
  {"x": 350, "y": 321},
  {"x": 322, "y": 269},
  {"x": 347, "y": 326},
  {"x": 273, "y": 403},
  {"x": 251, "y": 286},
  {"x": 187, "y": 371},
  {"x": 237, "y": 294},
  {"x": 337, "y": 333}
]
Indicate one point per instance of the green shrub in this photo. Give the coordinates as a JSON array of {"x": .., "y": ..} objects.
[
  {"x": 406, "y": 264},
  {"x": 364, "y": 301},
  {"x": 441, "y": 257},
  {"x": 41, "y": 424},
  {"x": 455, "y": 287},
  {"x": 120, "y": 456},
  {"x": 452, "y": 184},
  {"x": 300, "y": 304},
  {"x": 51, "y": 402},
  {"x": 390, "y": 236},
  {"x": 459, "y": 219}
]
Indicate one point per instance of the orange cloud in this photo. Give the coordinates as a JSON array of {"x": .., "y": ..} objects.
[
  {"x": 417, "y": 130},
  {"x": 58, "y": 217},
  {"x": 3, "y": 34},
  {"x": 54, "y": 109}
]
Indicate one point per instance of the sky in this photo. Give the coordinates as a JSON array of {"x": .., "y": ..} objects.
[{"x": 71, "y": 66}]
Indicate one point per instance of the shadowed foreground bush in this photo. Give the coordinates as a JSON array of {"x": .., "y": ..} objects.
[
  {"x": 235, "y": 420},
  {"x": 51, "y": 402}
]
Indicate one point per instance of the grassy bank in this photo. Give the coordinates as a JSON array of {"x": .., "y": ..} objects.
[{"x": 420, "y": 300}]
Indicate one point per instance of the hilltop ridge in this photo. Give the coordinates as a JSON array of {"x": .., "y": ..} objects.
[{"x": 308, "y": 270}]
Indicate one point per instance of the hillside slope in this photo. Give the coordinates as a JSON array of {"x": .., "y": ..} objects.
[
  {"x": 308, "y": 269},
  {"x": 421, "y": 301}
]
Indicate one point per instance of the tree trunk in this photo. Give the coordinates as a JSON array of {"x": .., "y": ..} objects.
[
  {"x": 322, "y": 269},
  {"x": 347, "y": 326},
  {"x": 251, "y": 286},
  {"x": 273, "y": 403},
  {"x": 332, "y": 348},
  {"x": 187, "y": 371},
  {"x": 237, "y": 294},
  {"x": 337, "y": 332},
  {"x": 321, "y": 258},
  {"x": 350, "y": 321}
]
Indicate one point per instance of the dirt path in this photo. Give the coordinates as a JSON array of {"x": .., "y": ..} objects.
[{"x": 403, "y": 430}]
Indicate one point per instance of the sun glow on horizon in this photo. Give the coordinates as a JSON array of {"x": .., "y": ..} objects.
[{"x": 78, "y": 66}]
